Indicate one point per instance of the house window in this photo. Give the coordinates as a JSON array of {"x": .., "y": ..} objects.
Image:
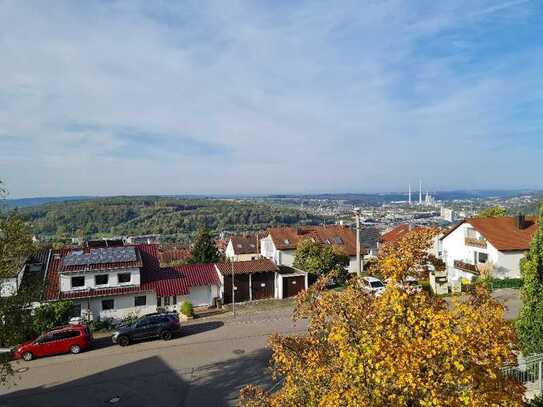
[
  {"x": 174, "y": 300},
  {"x": 471, "y": 233},
  {"x": 140, "y": 301},
  {"x": 338, "y": 240},
  {"x": 166, "y": 301},
  {"x": 102, "y": 279},
  {"x": 78, "y": 282},
  {"x": 108, "y": 304},
  {"x": 159, "y": 301},
  {"x": 124, "y": 278},
  {"x": 481, "y": 257}
]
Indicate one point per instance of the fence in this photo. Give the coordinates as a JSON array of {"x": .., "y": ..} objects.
[{"x": 529, "y": 372}]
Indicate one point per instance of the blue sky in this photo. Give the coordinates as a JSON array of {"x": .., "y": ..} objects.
[{"x": 139, "y": 97}]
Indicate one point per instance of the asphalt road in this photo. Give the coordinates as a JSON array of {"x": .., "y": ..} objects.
[{"x": 206, "y": 366}]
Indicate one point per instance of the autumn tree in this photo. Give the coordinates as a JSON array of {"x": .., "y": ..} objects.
[
  {"x": 317, "y": 258},
  {"x": 400, "y": 349},
  {"x": 492, "y": 212},
  {"x": 15, "y": 318},
  {"x": 204, "y": 249},
  {"x": 530, "y": 323}
]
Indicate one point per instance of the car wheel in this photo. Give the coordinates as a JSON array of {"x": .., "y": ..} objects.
[
  {"x": 166, "y": 335},
  {"x": 28, "y": 356},
  {"x": 124, "y": 341},
  {"x": 75, "y": 349}
]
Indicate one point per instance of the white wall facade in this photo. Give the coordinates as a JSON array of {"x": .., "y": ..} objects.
[
  {"x": 124, "y": 306},
  {"x": 279, "y": 257},
  {"x": 66, "y": 279},
  {"x": 454, "y": 248}
]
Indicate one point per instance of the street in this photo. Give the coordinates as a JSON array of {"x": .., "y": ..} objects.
[{"x": 206, "y": 366}]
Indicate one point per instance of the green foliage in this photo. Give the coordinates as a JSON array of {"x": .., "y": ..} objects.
[
  {"x": 177, "y": 219},
  {"x": 204, "y": 249},
  {"x": 493, "y": 212},
  {"x": 15, "y": 311},
  {"x": 130, "y": 319},
  {"x": 186, "y": 308},
  {"x": 319, "y": 259},
  {"x": 530, "y": 323},
  {"x": 537, "y": 401},
  {"x": 50, "y": 315},
  {"x": 496, "y": 283},
  {"x": 15, "y": 244},
  {"x": 105, "y": 324}
]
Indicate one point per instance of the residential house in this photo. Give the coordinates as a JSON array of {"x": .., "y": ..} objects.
[
  {"x": 242, "y": 248},
  {"x": 259, "y": 279},
  {"x": 115, "y": 282},
  {"x": 279, "y": 244},
  {"x": 500, "y": 242},
  {"x": 29, "y": 272}
]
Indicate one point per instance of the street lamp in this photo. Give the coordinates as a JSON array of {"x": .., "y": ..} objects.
[{"x": 359, "y": 265}]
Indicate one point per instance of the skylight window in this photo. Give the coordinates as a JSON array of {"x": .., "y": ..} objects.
[
  {"x": 338, "y": 240},
  {"x": 286, "y": 241}
]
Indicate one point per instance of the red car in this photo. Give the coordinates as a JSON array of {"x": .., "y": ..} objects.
[{"x": 64, "y": 339}]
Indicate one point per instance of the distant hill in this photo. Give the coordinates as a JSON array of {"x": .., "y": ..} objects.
[
  {"x": 175, "y": 218},
  {"x": 27, "y": 202}
]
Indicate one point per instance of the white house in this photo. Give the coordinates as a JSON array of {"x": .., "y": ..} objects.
[
  {"x": 500, "y": 242},
  {"x": 279, "y": 245},
  {"x": 242, "y": 248},
  {"x": 115, "y": 282}
]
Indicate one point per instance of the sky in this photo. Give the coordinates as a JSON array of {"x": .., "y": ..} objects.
[{"x": 223, "y": 97}]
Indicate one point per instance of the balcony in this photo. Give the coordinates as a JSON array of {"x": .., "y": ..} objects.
[
  {"x": 474, "y": 242},
  {"x": 470, "y": 268}
]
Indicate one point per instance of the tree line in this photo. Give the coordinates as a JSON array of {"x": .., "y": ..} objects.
[{"x": 177, "y": 218}]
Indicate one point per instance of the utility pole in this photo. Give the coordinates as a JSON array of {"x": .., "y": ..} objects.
[
  {"x": 233, "y": 291},
  {"x": 359, "y": 266}
]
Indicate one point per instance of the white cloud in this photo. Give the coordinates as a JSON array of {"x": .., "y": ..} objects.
[{"x": 238, "y": 97}]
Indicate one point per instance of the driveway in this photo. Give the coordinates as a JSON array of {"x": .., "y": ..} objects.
[{"x": 206, "y": 366}]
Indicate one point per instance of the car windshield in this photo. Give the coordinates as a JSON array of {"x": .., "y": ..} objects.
[{"x": 377, "y": 284}]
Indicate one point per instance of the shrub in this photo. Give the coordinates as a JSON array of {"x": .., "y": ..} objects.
[
  {"x": 186, "y": 308},
  {"x": 129, "y": 319},
  {"x": 48, "y": 316},
  {"x": 506, "y": 283},
  {"x": 102, "y": 325}
]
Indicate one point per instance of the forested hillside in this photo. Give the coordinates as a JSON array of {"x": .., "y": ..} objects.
[{"x": 175, "y": 218}]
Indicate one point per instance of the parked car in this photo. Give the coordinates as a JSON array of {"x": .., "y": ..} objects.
[
  {"x": 410, "y": 284},
  {"x": 64, "y": 339},
  {"x": 159, "y": 325},
  {"x": 373, "y": 285}
]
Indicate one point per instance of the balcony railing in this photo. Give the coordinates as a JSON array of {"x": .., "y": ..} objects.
[
  {"x": 480, "y": 243},
  {"x": 470, "y": 268}
]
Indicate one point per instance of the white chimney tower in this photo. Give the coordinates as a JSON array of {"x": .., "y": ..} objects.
[
  {"x": 410, "y": 202},
  {"x": 420, "y": 192}
]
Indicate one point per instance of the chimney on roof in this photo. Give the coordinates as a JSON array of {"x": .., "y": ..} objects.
[{"x": 521, "y": 221}]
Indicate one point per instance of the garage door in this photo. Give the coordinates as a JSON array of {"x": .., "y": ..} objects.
[
  {"x": 242, "y": 288},
  {"x": 200, "y": 296},
  {"x": 262, "y": 285},
  {"x": 293, "y": 285}
]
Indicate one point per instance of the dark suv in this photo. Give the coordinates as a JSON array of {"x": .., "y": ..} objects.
[{"x": 162, "y": 325}]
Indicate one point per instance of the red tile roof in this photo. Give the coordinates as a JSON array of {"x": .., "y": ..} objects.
[
  {"x": 248, "y": 267},
  {"x": 287, "y": 238},
  {"x": 244, "y": 244},
  {"x": 502, "y": 232},
  {"x": 394, "y": 235},
  {"x": 164, "y": 281}
]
